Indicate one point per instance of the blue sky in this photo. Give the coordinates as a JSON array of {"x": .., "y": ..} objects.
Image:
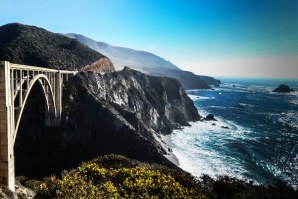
[{"x": 244, "y": 38}]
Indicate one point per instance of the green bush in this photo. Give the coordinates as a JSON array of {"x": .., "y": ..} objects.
[{"x": 115, "y": 176}]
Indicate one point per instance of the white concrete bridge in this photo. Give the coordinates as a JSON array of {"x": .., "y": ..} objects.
[{"x": 16, "y": 82}]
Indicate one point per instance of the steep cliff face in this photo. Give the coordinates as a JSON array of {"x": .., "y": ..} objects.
[
  {"x": 159, "y": 103},
  {"x": 124, "y": 112}
]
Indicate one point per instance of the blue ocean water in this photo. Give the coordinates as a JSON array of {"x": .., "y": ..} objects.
[{"x": 261, "y": 141}]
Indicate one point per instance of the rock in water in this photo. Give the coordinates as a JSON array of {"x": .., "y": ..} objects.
[
  {"x": 210, "y": 117},
  {"x": 283, "y": 89}
]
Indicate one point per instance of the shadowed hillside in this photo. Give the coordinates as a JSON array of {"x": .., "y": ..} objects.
[{"x": 35, "y": 46}]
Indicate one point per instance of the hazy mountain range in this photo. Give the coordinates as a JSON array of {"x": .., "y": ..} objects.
[
  {"x": 146, "y": 62},
  {"x": 121, "y": 56}
]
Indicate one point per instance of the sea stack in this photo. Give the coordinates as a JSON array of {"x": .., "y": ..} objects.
[
  {"x": 210, "y": 117},
  {"x": 283, "y": 89}
]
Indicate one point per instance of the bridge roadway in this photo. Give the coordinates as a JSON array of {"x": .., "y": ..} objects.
[{"x": 16, "y": 82}]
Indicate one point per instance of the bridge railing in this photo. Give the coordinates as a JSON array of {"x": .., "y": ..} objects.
[{"x": 21, "y": 77}]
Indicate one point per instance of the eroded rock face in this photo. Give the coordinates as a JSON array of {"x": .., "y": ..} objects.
[
  {"x": 159, "y": 103},
  {"x": 121, "y": 112},
  {"x": 101, "y": 66}
]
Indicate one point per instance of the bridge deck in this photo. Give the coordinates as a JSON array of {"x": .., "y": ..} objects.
[{"x": 35, "y": 68}]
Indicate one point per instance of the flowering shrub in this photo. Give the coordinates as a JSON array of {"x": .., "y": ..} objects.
[
  {"x": 115, "y": 176},
  {"x": 123, "y": 178}
]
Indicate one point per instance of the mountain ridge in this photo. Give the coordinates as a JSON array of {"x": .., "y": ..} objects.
[
  {"x": 31, "y": 45},
  {"x": 154, "y": 65},
  {"x": 120, "y": 59}
]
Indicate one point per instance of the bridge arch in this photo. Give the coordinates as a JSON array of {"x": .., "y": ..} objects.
[
  {"x": 51, "y": 113},
  {"x": 16, "y": 82}
]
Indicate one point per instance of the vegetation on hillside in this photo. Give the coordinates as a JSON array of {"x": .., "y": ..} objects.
[
  {"x": 35, "y": 46},
  {"x": 115, "y": 176}
]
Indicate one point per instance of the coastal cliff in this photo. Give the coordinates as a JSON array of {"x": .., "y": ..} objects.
[
  {"x": 124, "y": 112},
  {"x": 159, "y": 102}
]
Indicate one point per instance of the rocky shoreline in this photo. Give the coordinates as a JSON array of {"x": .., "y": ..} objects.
[{"x": 166, "y": 143}]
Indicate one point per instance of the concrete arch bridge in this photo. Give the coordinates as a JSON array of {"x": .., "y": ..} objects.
[{"x": 16, "y": 82}]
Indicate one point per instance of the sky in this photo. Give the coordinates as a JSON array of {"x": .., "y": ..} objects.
[{"x": 221, "y": 38}]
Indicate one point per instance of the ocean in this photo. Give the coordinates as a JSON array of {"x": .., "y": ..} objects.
[{"x": 255, "y": 137}]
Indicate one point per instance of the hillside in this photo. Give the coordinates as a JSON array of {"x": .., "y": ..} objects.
[
  {"x": 125, "y": 56},
  {"x": 30, "y": 45},
  {"x": 147, "y": 63}
]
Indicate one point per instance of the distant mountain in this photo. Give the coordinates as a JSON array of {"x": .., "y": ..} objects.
[
  {"x": 125, "y": 56},
  {"x": 30, "y": 45},
  {"x": 146, "y": 62}
]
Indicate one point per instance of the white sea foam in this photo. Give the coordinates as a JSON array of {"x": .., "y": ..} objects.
[
  {"x": 295, "y": 101},
  {"x": 247, "y": 88},
  {"x": 246, "y": 105},
  {"x": 207, "y": 147},
  {"x": 290, "y": 118},
  {"x": 295, "y": 97},
  {"x": 289, "y": 167},
  {"x": 195, "y": 148},
  {"x": 204, "y": 97},
  {"x": 219, "y": 107},
  {"x": 196, "y": 97}
]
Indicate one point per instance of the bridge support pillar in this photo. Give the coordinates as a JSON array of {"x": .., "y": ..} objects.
[
  {"x": 58, "y": 96},
  {"x": 7, "y": 172}
]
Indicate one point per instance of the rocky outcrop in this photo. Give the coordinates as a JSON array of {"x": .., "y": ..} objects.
[
  {"x": 159, "y": 102},
  {"x": 210, "y": 117},
  {"x": 283, "y": 89},
  {"x": 19, "y": 193},
  {"x": 120, "y": 112},
  {"x": 102, "y": 65},
  {"x": 188, "y": 79}
]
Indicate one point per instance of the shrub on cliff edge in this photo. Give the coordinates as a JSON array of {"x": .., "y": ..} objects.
[{"x": 115, "y": 176}]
